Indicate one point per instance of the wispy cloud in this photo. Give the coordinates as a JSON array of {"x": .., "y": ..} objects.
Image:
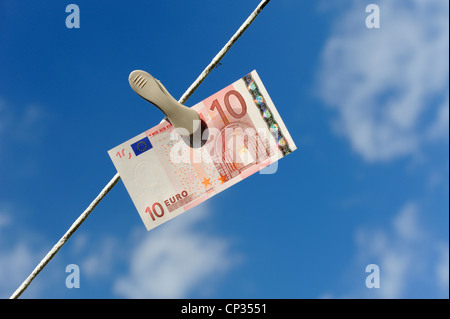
[
  {"x": 176, "y": 260},
  {"x": 21, "y": 124},
  {"x": 5, "y": 216},
  {"x": 440, "y": 127},
  {"x": 18, "y": 254},
  {"x": 442, "y": 268},
  {"x": 22, "y": 129},
  {"x": 412, "y": 262},
  {"x": 98, "y": 258},
  {"x": 389, "y": 86},
  {"x": 14, "y": 265},
  {"x": 19, "y": 127}
]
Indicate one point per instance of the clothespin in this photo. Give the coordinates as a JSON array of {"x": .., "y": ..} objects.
[{"x": 185, "y": 120}]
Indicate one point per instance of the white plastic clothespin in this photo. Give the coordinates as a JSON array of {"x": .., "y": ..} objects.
[{"x": 187, "y": 121}]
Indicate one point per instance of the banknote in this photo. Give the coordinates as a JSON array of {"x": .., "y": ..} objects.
[{"x": 165, "y": 176}]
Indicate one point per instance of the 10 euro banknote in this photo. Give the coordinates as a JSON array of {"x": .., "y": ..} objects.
[{"x": 165, "y": 177}]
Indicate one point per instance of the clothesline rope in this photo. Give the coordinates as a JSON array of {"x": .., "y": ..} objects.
[{"x": 116, "y": 177}]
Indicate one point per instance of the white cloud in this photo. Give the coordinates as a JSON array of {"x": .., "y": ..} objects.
[
  {"x": 21, "y": 131},
  {"x": 410, "y": 259},
  {"x": 385, "y": 83},
  {"x": 21, "y": 124},
  {"x": 4, "y": 220},
  {"x": 100, "y": 263},
  {"x": 406, "y": 223},
  {"x": 14, "y": 267},
  {"x": 175, "y": 260},
  {"x": 21, "y": 249},
  {"x": 442, "y": 268},
  {"x": 5, "y": 215},
  {"x": 16, "y": 256},
  {"x": 440, "y": 127}
]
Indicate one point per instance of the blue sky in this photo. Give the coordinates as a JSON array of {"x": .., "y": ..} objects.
[{"x": 368, "y": 109}]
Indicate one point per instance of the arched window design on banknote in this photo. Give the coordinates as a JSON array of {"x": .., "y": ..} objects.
[{"x": 237, "y": 147}]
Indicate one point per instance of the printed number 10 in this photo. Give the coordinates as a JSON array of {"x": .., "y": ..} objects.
[
  {"x": 154, "y": 212},
  {"x": 216, "y": 105}
]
